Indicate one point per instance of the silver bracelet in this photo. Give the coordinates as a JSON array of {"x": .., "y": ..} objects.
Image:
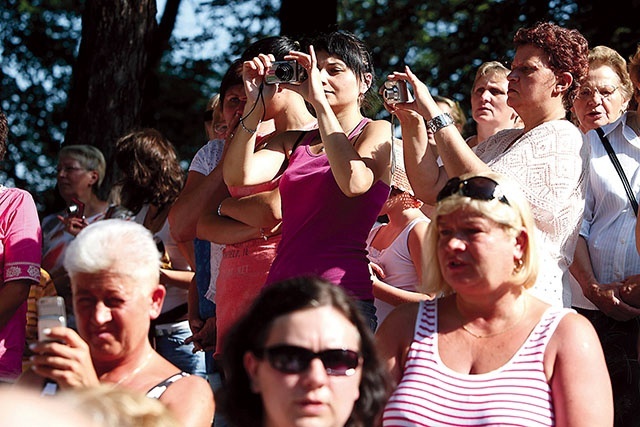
[
  {"x": 438, "y": 122},
  {"x": 246, "y": 129},
  {"x": 220, "y": 209}
]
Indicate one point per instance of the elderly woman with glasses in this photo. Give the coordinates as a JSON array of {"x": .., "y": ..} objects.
[
  {"x": 81, "y": 169},
  {"x": 302, "y": 355},
  {"x": 487, "y": 352}
]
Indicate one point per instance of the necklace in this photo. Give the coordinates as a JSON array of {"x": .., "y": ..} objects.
[
  {"x": 507, "y": 329},
  {"x": 136, "y": 371}
]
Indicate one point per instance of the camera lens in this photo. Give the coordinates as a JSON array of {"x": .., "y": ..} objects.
[{"x": 284, "y": 72}]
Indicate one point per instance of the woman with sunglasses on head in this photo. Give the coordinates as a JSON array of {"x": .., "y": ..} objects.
[
  {"x": 547, "y": 158},
  {"x": 488, "y": 352},
  {"x": 338, "y": 176},
  {"x": 302, "y": 355}
]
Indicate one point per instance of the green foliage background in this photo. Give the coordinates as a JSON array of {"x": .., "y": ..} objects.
[{"x": 443, "y": 42}]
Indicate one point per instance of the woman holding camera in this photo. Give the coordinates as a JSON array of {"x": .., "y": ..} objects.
[
  {"x": 338, "y": 175},
  {"x": 548, "y": 157}
]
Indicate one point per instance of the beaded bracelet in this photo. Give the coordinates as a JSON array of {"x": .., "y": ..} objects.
[
  {"x": 246, "y": 129},
  {"x": 220, "y": 209}
]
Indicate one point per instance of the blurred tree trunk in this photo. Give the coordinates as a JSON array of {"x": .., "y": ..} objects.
[
  {"x": 307, "y": 17},
  {"x": 106, "y": 94}
]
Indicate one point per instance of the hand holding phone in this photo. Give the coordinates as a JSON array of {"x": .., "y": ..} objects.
[{"x": 75, "y": 209}]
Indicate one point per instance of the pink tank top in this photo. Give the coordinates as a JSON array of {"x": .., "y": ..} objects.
[
  {"x": 324, "y": 232},
  {"x": 431, "y": 394}
]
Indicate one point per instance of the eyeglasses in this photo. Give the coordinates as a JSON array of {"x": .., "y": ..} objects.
[
  {"x": 605, "y": 91},
  {"x": 69, "y": 169},
  {"x": 220, "y": 128},
  {"x": 290, "y": 359},
  {"x": 477, "y": 187}
]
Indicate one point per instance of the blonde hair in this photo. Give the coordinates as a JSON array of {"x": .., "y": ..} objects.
[
  {"x": 490, "y": 68},
  {"x": 90, "y": 157},
  {"x": 513, "y": 217},
  {"x": 605, "y": 56},
  {"x": 117, "y": 407}
]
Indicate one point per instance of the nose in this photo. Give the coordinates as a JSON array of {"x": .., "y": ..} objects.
[
  {"x": 316, "y": 376},
  {"x": 455, "y": 243},
  {"x": 102, "y": 314},
  {"x": 485, "y": 95},
  {"x": 512, "y": 76}
]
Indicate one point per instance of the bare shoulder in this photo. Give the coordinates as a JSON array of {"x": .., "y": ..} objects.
[
  {"x": 191, "y": 400},
  {"x": 574, "y": 336}
]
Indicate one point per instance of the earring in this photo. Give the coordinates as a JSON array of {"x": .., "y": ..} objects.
[{"x": 518, "y": 264}]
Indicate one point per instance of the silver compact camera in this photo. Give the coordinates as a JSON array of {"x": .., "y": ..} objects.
[
  {"x": 285, "y": 72},
  {"x": 395, "y": 91}
]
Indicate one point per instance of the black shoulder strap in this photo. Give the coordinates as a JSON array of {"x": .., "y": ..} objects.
[{"x": 616, "y": 164}]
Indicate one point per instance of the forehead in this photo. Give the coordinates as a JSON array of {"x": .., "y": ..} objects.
[
  {"x": 531, "y": 55},
  {"x": 104, "y": 283},
  {"x": 234, "y": 90},
  {"x": 325, "y": 59},
  {"x": 315, "y": 328},
  {"x": 602, "y": 74},
  {"x": 492, "y": 78}
]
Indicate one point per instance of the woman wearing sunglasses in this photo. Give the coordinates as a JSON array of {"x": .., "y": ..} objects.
[
  {"x": 302, "y": 354},
  {"x": 547, "y": 158},
  {"x": 488, "y": 352}
]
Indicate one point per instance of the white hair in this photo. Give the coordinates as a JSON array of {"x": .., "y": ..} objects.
[{"x": 114, "y": 246}]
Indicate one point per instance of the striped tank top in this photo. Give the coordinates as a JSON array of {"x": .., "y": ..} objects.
[{"x": 431, "y": 394}]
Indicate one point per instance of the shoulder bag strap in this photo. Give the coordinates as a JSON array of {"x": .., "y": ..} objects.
[{"x": 616, "y": 164}]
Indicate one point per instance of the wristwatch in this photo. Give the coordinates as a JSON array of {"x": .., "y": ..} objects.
[{"x": 439, "y": 122}]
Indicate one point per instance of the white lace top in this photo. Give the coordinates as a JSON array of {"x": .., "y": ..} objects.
[{"x": 549, "y": 163}]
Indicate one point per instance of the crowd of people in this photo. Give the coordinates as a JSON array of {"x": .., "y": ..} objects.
[{"x": 315, "y": 269}]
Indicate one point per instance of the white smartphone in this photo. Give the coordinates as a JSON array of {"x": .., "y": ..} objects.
[{"x": 51, "y": 313}]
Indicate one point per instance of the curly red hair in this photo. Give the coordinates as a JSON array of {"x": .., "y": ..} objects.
[{"x": 567, "y": 51}]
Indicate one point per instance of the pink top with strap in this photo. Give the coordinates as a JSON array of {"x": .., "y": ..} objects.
[
  {"x": 324, "y": 232},
  {"x": 431, "y": 394}
]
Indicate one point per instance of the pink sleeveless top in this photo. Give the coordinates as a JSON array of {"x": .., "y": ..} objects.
[
  {"x": 431, "y": 394},
  {"x": 324, "y": 232}
]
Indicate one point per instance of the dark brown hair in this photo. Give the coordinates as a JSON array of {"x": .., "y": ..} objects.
[{"x": 150, "y": 170}]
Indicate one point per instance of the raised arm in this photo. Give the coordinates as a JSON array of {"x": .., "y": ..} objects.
[
  {"x": 243, "y": 165},
  {"x": 355, "y": 169},
  {"x": 456, "y": 155}
]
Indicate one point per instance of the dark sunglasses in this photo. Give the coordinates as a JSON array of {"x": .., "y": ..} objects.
[
  {"x": 477, "y": 187},
  {"x": 290, "y": 359}
]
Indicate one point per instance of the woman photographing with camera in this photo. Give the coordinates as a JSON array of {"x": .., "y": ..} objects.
[{"x": 338, "y": 176}]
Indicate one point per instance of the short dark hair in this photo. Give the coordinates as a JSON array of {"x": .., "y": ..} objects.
[
  {"x": 567, "y": 51},
  {"x": 4, "y": 133},
  {"x": 352, "y": 51},
  {"x": 243, "y": 406},
  {"x": 278, "y": 46}
]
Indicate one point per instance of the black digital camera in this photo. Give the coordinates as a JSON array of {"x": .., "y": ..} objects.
[
  {"x": 285, "y": 72},
  {"x": 395, "y": 91}
]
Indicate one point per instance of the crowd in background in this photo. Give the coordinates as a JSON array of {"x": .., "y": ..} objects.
[{"x": 313, "y": 265}]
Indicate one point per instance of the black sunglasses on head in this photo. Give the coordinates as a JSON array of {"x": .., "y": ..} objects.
[
  {"x": 477, "y": 187},
  {"x": 290, "y": 359}
]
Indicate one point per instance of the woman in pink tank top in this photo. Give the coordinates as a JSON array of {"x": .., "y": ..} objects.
[
  {"x": 338, "y": 177},
  {"x": 488, "y": 352}
]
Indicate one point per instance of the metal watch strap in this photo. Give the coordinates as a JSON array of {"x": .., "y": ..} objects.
[{"x": 439, "y": 122}]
